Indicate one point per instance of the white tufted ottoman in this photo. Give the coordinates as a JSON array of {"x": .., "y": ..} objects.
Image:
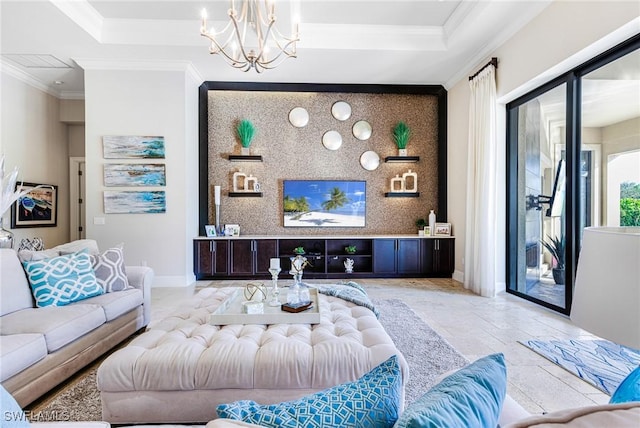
[{"x": 183, "y": 367}]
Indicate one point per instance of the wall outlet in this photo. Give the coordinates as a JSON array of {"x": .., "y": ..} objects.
[{"x": 98, "y": 220}]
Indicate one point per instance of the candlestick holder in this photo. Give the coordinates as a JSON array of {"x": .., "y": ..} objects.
[{"x": 275, "y": 291}]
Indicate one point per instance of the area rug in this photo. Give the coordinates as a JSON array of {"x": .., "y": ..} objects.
[
  {"x": 601, "y": 363},
  {"x": 428, "y": 356},
  {"x": 426, "y": 352}
]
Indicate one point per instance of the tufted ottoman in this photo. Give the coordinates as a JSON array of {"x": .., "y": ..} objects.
[{"x": 182, "y": 367}]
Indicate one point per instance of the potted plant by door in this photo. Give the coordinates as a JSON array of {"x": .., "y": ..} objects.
[{"x": 556, "y": 247}]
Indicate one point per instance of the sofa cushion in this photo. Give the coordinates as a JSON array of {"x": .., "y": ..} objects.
[
  {"x": 19, "y": 351},
  {"x": 90, "y": 245},
  {"x": 607, "y": 415},
  {"x": 116, "y": 304},
  {"x": 31, "y": 255},
  {"x": 60, "y": 325},
  {"x": 472, "y": 396},
  {"x": 15, "y": 293},
  {"x": 371, "y": 401},
  {"x": 110, "y": 271},
  {"x": 61, "y": 280}
]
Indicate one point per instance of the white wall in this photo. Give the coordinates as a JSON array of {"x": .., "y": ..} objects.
[
  {"x": 33, "y": 139},
  {"x": 124, "y": 102},
  {"x": 563, "y": 36}
]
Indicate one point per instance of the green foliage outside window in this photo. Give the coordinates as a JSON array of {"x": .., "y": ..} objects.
[{"x": 629, "y": 204}]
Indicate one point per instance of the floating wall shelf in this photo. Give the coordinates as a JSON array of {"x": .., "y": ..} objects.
[
  {"x": 402, "y": 194},
  {"x": 245, "y": 194},
  {"x": 402, "y": 159},
  {"x": 245, "y": 158}
]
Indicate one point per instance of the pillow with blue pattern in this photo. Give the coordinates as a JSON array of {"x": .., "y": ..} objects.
[
  {"x": 61, "y": 280},
  {"x": 371, "y": 401},
  {"x": 470, "y": 397},
  {"x": 628, "y": 390}
]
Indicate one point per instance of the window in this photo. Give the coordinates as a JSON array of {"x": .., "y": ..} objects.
[{"x": 573, "y": 159}]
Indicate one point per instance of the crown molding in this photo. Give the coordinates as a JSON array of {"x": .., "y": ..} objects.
[
  {"x": 133, "y": 64},
  {"x": 371, "y": 37},
  {"x": 83, "y": 14},
  {"x": 508, "y": 31},
  {"x": 20, "y": 75}
]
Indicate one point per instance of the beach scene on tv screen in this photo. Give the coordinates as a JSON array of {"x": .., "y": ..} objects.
[{"x": 324, "y": 203}]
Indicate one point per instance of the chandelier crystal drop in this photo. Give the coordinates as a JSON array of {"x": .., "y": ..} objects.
[{"x": 251, "y": 39}]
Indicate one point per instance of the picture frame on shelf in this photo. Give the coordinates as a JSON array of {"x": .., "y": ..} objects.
[
  {"x": 210, "y": 230},
  {"x": 442, "y": 229},
  {"x": 231, "y": 230}
]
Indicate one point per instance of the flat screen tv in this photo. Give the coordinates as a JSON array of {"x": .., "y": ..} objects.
[{"x": 324, "y": 203}]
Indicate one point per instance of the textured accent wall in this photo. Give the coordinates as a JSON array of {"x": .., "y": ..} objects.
[{"x": 297, "y": 153}]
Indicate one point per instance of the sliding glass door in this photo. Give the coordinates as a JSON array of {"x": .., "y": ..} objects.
[{"x": 573, "y": 160}]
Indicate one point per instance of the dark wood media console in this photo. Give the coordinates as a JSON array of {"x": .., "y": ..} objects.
[{"x": 248, "y": 257}]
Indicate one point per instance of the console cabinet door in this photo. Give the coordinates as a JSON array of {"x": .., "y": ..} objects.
[
  {"x": 264, "y": 250},
  {"x": 437, "y": 257},
  {"x": 384, "y": 256},
  {"x": 241, "y": 257},
  {"x": 444, "y": 256},
  {"x": 210, "y": 258},
  {"x": 408, "y": 256},
  {"x": 251, "y": 257}
]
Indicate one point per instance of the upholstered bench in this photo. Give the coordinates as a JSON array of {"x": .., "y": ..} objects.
[{"x": 182, "y": 367}]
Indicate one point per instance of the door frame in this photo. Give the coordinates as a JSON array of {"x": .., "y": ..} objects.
[{"x": 75, "y": 195}]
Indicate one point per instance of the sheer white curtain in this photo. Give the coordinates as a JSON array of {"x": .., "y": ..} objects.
[{"x": 480, "y": 246}]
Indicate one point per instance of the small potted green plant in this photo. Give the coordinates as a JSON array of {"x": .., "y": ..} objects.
[
  {"x": 557, "y": 249},
  {"x": 401, "y": 135},
  {"x": 245, "y": 131},
  {"x": 420, "y": 224},
  {"x": 299, "y": 250},
  {"x": 350, "y": 249}
]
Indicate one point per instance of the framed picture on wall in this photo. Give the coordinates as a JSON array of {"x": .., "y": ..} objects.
[{"x": 37, "y": 208}]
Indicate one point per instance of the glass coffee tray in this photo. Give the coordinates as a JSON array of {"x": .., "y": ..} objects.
[{"x": 231, "y": 311}]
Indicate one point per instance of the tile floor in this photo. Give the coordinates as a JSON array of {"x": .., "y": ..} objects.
[{"x": 475, "y": 326}]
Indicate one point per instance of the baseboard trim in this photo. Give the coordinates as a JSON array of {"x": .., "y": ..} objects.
[
  {"x": 458, "y": 276},
  {"x": 160, "y": 281}
]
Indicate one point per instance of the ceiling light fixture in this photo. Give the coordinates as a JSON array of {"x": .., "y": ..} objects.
[{"x": 251, "y": 39}]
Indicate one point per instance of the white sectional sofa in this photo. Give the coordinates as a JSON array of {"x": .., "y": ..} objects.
[{"x": 40, "y": 347}]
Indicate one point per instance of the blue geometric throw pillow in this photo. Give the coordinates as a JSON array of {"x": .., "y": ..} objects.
[
  {"x": 628, "y": 390},
  {"x": 371, "y": 401},
  {"x": 470, "y": 397},
  {"x": 61, "y": 280}
]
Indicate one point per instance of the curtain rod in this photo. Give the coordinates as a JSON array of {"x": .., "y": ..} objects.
[{"x": 494, "y": 62}]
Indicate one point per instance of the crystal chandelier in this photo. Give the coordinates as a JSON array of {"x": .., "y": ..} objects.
[{"x": 250, "y": 39}]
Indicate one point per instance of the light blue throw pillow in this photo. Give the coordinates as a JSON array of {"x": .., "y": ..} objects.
[
  {"x": 470, "y": 397},
  {"x": 628, "y": 390},
  {"x": 371, "y": 401},
  {"x": 61, "y": 280},
  {"x": 12, "y": 414}
]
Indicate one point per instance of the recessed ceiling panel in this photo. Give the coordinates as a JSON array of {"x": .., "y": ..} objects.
[{"x": 423, "y": 13}]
